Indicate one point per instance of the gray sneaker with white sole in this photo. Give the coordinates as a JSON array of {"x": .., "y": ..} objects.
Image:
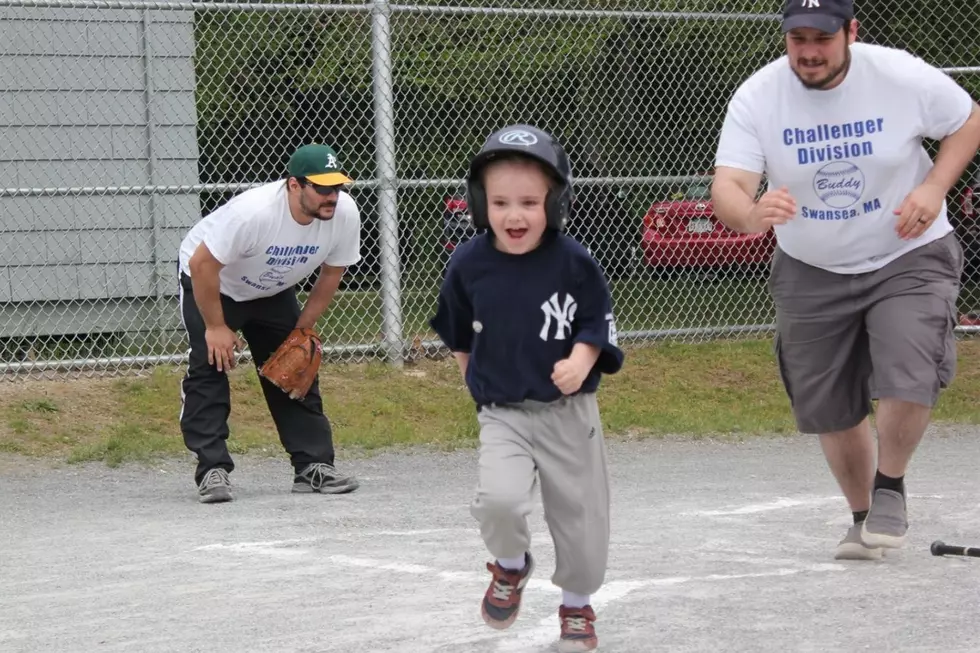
[
  {"x": 215, "y": 487},
  {"x": 852, "y": 548},
  {"x": 321, "y": 478},
  {"x": 887, "y": 521}
]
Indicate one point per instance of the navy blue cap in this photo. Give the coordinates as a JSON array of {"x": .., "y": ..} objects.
[{"x": 825, "y": 15}]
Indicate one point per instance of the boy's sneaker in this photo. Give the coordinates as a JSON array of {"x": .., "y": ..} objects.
[
  {"x": 502, "y": 600},
  {"x": 324, "y": 479},
  {"x": 215, "y": 487},
  {"x": 852, "y": 548},
  {"x": 887, "y": 520},
  {"x": 577, "y": 630}
]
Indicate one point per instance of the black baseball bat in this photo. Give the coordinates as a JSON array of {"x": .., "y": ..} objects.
[{"x": 940, "y": 548}]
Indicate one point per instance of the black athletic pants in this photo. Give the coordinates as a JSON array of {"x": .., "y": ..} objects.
[{"x": 304, "y": 429}]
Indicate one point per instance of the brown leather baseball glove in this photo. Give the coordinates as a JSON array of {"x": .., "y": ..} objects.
[{"x": 294, "y": 365}]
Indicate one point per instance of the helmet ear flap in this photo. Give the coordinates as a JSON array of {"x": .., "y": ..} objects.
[
  {"x": 476, "y": 202},
  {"x": 557, "y": 206},
  {"x": 559, "y": 202}
]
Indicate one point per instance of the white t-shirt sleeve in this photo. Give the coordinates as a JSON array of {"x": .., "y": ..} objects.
[
  {"x": 738, "y": 143},
  {"x": 233, "y": 238},
  {"x": 347, "y": 250},
  {"x": 944, "y": 105}
]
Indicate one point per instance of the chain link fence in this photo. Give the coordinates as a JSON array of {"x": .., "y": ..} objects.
[{"x": 122, "y": 123}]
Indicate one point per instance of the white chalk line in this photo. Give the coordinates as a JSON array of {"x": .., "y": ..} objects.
[
  {"x": 278, "y": 548},
  {"x": 517, "y": 639},
  {"x": 753, "y": 508},
  {"x": 782, "y": 504},
  {"x": 612, "y": 590},
  {"x": 424, "y": 531},
  {"x": 288, "y": 547},
  {"x": 546, "y": 629}
]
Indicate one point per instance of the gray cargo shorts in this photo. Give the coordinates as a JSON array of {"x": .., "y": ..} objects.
[{"x": 844, "y": 340}]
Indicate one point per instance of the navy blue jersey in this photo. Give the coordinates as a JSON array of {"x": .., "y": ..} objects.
[{"x": 519, "y": 314}]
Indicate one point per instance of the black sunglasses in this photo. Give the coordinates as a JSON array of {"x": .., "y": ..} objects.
[{"x": 320, "y": 190}]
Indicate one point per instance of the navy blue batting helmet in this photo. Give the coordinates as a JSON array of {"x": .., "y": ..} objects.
[{"x": 536, "y": 144}]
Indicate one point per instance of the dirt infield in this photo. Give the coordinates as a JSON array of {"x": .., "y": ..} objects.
[{"x": 716, "y": 546}]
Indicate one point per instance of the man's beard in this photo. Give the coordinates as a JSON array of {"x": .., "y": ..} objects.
[
  {"x": 313, "y": 212},
  {"x": 822, "y": 83}
]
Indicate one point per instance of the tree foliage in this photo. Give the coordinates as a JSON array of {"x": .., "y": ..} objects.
[{"x": 633, "y": 94}]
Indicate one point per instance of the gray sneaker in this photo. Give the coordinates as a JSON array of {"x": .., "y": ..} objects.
[
  {"x": 215, "y": 486},
  {"x": 887, "y": 521},
  {"x": 323, "y": 479},
  {"x": 852, "y": 548}
]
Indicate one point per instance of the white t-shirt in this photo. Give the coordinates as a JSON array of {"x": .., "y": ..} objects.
[
  {"x": 848, "y": 155},
  {"x": 264, "y": 250}
]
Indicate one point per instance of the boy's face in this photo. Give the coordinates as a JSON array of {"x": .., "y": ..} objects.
[{"x": 516, "y": 191}]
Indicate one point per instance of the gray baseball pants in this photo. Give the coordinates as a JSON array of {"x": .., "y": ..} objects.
[{"x": 562, "y": 445}]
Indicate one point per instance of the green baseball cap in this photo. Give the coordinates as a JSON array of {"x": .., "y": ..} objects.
[{"x": 318, "y": 163}]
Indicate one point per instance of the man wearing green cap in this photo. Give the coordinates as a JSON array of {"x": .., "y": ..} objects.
[{"x": 239, "y": 267}]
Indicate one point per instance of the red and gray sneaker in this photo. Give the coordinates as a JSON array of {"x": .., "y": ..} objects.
[
  {"x": 577, "y": 630},
  {"x": 502, "y": 600}
]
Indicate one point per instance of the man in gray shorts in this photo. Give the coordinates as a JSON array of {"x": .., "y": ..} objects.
[{"x": 867, "y": 270}]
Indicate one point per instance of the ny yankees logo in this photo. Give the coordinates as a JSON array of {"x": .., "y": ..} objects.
[
  {"x": 563, "y": 315},
  {"x": 810, "y": 4}
]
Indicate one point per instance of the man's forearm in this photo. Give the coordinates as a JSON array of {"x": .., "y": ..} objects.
[
  {"x": 320, "y": 298},
  {"x": 207, "y": 294},
  {"x": 732, "y": 205},
  {"x": 956, "y": 151}
]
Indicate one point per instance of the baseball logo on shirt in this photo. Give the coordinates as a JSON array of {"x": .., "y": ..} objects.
[
  {"x": 839, "y": 184},
  {"x": 563, "y": 313},
  {"x": 274, "y": 276}
]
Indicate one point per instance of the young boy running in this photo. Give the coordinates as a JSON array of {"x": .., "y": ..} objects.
[{"x": 528, "y": 315}]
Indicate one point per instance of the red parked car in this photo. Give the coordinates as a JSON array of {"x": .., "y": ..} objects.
[
  {"x": 457, "y": 227},
  {"x": 966, "y": 222},
  {"x": 682, "y": 232}
]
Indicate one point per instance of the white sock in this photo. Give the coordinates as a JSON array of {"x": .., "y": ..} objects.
[
  {"x": 512, "y": 564},
  {"x": 570, "y": 600}
]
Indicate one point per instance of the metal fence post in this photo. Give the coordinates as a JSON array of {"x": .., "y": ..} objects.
[
  {"x": 158, "y": 320},
  {"x": 384, "y": 138}
]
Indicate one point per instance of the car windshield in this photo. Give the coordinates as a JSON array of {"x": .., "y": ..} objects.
[{"x": 697, "y": 192}]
